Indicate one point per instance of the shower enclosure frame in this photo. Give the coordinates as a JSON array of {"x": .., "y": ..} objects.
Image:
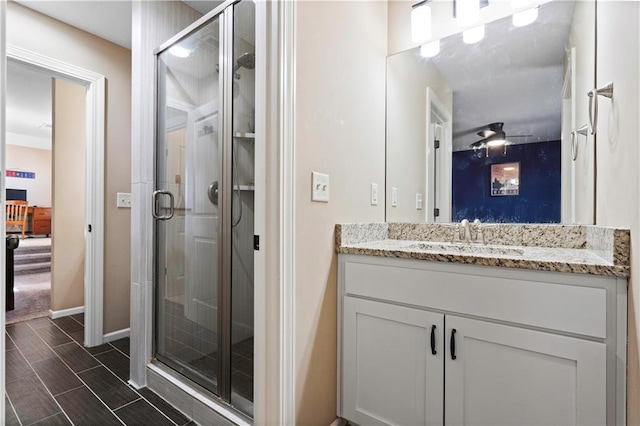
[{"x": 222, "y": 388}]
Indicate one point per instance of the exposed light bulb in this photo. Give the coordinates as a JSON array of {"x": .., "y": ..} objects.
[
  {"x": 467, "y": 12},
  {"x": 179, "y": 51},
  {"x": 430, "y": 49},
  {"x": 525, "y": 17},
  {"x": 473, "y": 35},
  {"x": 420, "y": 23}
]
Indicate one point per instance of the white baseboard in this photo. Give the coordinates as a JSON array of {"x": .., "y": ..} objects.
[
  {"x": 115, "y": 335},
  {"x": 66, "y": 312}
]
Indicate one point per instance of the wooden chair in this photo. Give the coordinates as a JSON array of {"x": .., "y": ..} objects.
[{"x": 17, "y": 214}]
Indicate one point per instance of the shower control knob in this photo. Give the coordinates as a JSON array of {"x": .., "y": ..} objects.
[{"x": 212, "y": 193}]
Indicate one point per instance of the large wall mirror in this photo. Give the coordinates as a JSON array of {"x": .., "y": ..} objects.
[{"x": 493, "y": 130}]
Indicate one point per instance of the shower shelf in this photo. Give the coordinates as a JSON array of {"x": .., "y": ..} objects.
[
  {"x": 244, "y": 135},
  {"x": 244, "y": 187}
]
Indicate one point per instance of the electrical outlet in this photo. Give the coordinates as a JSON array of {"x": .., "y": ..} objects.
[
  {"x": 418, "y": 201},
  {"x": 394, "y": 197},
  {"x": 374, "y": 194},
  {"x": 319, "y": 187},
  {"x": 123, "y": 200}
]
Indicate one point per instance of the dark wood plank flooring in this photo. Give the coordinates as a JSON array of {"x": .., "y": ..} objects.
[{"x": 53, "y": 380}]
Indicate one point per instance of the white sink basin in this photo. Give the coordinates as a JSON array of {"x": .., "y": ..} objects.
[{"x": 467, "y": 248}]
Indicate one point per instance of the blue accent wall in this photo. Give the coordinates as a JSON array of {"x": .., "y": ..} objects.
[{"x": 539, "y": 198}]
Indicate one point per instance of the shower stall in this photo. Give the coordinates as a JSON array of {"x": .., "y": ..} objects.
[{"x": 203, "y": 204}]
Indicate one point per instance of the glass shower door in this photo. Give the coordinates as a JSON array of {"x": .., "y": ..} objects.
[
  {"x": 243, "y": 165},
  {"x": 186, "y": 206},
  {"x": 204, "y": 205}
]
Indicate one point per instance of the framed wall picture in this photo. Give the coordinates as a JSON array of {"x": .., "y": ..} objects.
[{"x": 505, "y": 179}]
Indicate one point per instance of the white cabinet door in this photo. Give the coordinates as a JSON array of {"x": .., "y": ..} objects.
[
  {"x": 504, "y": 375},
  {"x": 390, "y": 374}
]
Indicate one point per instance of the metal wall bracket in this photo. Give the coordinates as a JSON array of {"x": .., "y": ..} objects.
[
  {"x": 584, "y": 130},
  {"x": 605, "y": 91}
]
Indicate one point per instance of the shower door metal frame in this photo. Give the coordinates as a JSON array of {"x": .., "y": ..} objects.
[{"x": 222, "y": 389}]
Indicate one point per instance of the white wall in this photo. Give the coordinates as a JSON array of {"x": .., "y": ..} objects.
[
  {"x": 407, "y": 80},
  {"x": 582, "y": 37},
  {"x": 339, "y": 130},
  {"x": 31, "y": 160},
  {"x": 618, "y": 156}
]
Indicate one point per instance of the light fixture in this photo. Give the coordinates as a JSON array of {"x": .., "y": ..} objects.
[
  {"x": 179, "y": 51},
  {"x": 467, "y": 12},
  {"x": 509, "y": 168},
  {"x": 473, "y": 35},
  {"x": 496, "y": 139},
  {"x": 525, "y": 17},
  {"x": 431, "y": 49},
  {"x": 420, "y": 22}
]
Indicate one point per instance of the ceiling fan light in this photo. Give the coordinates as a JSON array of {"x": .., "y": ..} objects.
[
  {"x": 525, "y": 17},
  {"x": 473, "y": 35},
  {"x": 430, "y": 50},
  {"x": 467, "y": 12},
  {"x": 420, "y": 22},
  {"x": 497, "y": 142}
]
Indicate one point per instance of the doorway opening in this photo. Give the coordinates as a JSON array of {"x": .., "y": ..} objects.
[
  {"x": 87, "y": 89},
  {"x": 28, "y": 180},
  {"x": 42, "y": 108}
]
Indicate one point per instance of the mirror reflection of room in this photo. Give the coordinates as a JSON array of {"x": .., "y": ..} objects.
[{"x": 457, "y": 107}]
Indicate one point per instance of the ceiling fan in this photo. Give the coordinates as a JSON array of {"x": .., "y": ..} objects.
[{"x": 493, "y": 135}]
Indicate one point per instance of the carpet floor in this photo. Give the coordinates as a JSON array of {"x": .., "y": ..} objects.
[{"x": 32, "y": 297}]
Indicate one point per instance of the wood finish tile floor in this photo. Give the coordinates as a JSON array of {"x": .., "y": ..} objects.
[{"x": 53, "y": 380}]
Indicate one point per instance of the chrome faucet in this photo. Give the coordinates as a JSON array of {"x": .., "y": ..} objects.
[
  {"x": 469, "y": 232},
  {"x": 465, "y": 231}
]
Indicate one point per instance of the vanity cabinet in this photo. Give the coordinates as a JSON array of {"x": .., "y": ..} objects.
[
  {"x": 440, "y": 343},
  {"x": 513, "y": 376},
  {"x": 391, "y": 374}
]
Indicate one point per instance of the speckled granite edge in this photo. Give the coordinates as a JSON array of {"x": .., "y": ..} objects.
[
  {"x": 561, "y": 236},
  {"x": 612, "y": 244},
  {"x": 538, "y": 265},
  {"x": 354, "y": 233}
]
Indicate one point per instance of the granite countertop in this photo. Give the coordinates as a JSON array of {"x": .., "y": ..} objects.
[{"x": 561, "y": 248}]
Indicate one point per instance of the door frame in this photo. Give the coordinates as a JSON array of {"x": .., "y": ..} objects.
[
  {"x": 3, "y": 227},
  {"x": 442, "y": 156},
  {"x": 94, "y": 182}
]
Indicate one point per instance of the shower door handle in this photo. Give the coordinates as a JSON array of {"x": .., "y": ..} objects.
[{"x": 156, "y": 205}]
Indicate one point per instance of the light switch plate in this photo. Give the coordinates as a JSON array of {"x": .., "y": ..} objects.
[
  {"x": 418, "y": 201},
  {"x": 374, "y": 194},
  {"x": 319, "y": 187},
  {"x": 394, "y": 197},
  {"x": 123, "y": 200}
]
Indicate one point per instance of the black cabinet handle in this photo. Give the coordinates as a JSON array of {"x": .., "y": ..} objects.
[
  {"x": 433, "y": 340},
  {"x": 453, "y": 343}
]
